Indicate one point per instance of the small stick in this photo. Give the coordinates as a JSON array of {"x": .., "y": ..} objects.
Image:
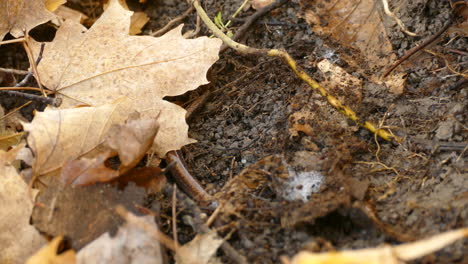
[
  {"x": 252, "y": 19},
  {"x": 153, "y": 231},
  {"x": 424, "y": 44},
  {"x": 173, "y": 22},
  {"x": 12, "y": 41},
  {"x": 19, "y": 72},
  {"x": 32, "y": 62},
  {"x": 26, "y": 78},
  {"x": 200, "y": 227},
  {"x": 397, "y": 20},
  {"x": 184, "y": 179},
  {"x": 174, "y": 215},
  {"x": 45, "y": 100}
]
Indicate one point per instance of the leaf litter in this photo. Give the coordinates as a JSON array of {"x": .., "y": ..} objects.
[{"x": 301, "y": 213}]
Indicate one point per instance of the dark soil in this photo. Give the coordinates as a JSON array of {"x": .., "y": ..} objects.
[
  {"x": 373, "y": 191},
  {"x": 418, "y": 188}
]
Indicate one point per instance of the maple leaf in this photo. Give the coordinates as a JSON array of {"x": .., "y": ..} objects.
[
  {"x": 18, "y": 16},
  {"x": 97, "y": 66}
]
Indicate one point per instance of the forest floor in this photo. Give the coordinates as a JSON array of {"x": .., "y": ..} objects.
[{"x": 260, "y": 116}]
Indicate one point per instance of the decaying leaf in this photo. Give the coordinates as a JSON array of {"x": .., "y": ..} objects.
[
  {"x": 341, "y": 82},
  {"x": 20, "y": 16},
  {"x": 131, "y": 244},
  {"x": 18, "y": 239},
  {"x": 130, "y": 142},
  {"x": 59, "y": 135},
  {"x": 356, "y": 25},
  {"x": 383, "y": 255},
  {"x": 200, "y": 250},
  {"x": 99, "y": 65},
  {"x": 49, "y": 254}
]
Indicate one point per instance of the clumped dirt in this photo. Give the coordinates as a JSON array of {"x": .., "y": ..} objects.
[{"x": 373, "y": 191}]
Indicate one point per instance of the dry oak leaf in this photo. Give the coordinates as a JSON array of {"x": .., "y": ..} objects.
[
  {"x": 18, "y": 238},
  {"x": 17, "y": 16},
  {"x": 99, "y": 65},
  {"x": 58, "y": 135}
]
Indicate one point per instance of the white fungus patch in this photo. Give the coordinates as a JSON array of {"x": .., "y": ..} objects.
[{"x": 300, "y": 185}]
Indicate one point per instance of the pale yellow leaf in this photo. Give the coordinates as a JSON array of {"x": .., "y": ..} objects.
[
  {"x": 52, "y": 5},
  {"x": 383, "y": 255},
  {"x": 18, "y": 239},
  {"x": 18, "y": 16},
  {"x": 138, "y": 21},
  {"x": 48, "y": 254},
  {"x": 99, "y": 65},
  {"x": 58, "y": 135},
  {"x": 200, "y": 250}
]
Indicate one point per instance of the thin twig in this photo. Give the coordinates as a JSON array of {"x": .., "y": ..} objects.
[
  {"x": 12, "y": 41},
  {"x": 397, "y": 20},
  {"x": 424, "y": 44},
  {"x": 32, "y": 62},
  {"x": 45, "y": 100},
  {"x": 299, "y": 73},
  {"x": 15, "y": 110},
  {"x": 14, "y": 71},
  {"x": 172, "y": 23},
  {"x": 28, "y": 76},
  {"x": 174, "y": 215},
  {"x": 150, "y": 229},
  {"x": 200, "y": 227},
  {"x": 252, "y": 19}
]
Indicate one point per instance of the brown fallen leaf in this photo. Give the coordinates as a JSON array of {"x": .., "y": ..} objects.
[
  {"x": 130, "y": 142},
  {"x": 356, "y": 25},
  {"x": 18, "y": 239},
  {"x": 20, "y": 16},
  {"x": 49, "y": 254},
  {"x": 131, "y": 244},
  {"x": 58, "y": 135},
  {"x": 97, "y": 66}
]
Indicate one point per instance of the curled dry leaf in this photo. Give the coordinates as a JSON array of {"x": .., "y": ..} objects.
[
  {"x": 130, "y": 141},
  {"x": 18, "y": 239},
  {"x": 18, "y": 16},
  {"x": 58, "y": 135},
  {"x": 99, "y": 65}
]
